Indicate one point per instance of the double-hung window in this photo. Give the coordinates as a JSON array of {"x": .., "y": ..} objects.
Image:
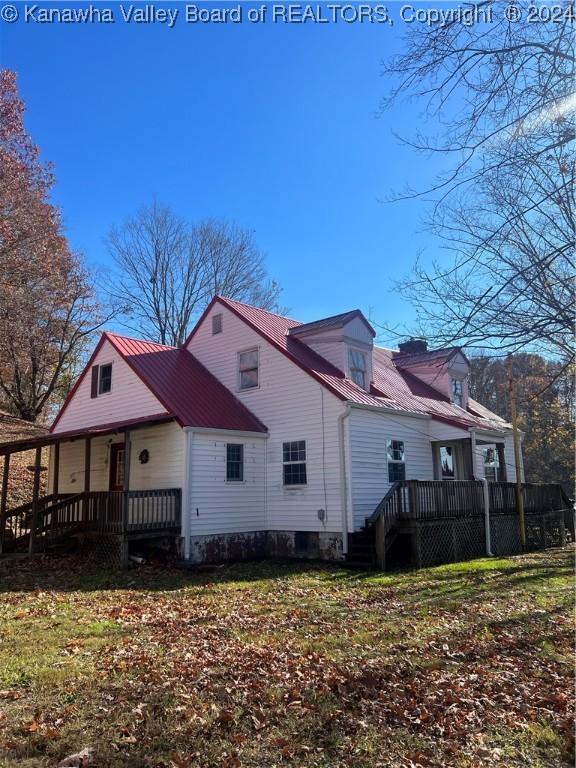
[
  {"x": 248, "y": 365},
  {"x": 294, "y": 462},
  {"x": 234, "y": 463},
  {"x": 491, "y": 465},
  {"x": 457, "y": 393},
  {"x": 396, "y": 461},
  {"x": 101, "y": 380},
  {"x": 357, "y": 363}
]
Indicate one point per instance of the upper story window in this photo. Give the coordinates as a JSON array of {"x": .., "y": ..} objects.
[
  {"x": 396, "y": 461},
  {"x": 234, "y": 462},
  {"x": 457, "y": 392},
  {"x": 248, "y": 369},
  {"x": 357, "y": 363},
  {"x": 101, "y": 379},
  {"x": 216, "y": 324},
  {"x": 294, "y": 462}
]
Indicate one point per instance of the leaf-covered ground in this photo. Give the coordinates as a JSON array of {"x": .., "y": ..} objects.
[{"x": 288, "y": 665}]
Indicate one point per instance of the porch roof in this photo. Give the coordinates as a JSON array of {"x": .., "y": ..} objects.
[{"x": 41, "y": 441}]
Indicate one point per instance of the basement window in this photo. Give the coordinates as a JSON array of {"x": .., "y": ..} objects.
[
  {"x": 396, "y": 461},
  {"x": 234, "y": 463},
  {"x": 294, "y": 462}
]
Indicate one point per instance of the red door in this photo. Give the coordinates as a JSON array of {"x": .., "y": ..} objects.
[{"x": 117, "y": 454}]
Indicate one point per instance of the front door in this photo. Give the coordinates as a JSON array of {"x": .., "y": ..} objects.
[{"x": 117, "y": 455}]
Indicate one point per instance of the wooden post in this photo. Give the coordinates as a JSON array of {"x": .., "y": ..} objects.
[
  {"x": 35, "y": 494},
  {"x": 4, "y": 500},
  {"x": 380, "y": 544},
  {"x": 126, "y": 482},
  {"x": 56, "y": 475},
  {"x": 87, "y": 457},
  {"x": 517, "y": 458}
]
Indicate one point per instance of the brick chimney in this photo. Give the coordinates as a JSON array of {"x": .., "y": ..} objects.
[{"x": 413, "y": 346}]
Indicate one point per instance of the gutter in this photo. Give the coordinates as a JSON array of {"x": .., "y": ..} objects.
[
  {"x": 392, "y": 411},
  {"x": 343, "y": 484}
]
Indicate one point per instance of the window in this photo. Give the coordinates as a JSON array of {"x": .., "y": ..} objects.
[
  {"x": 216, "y": 324},
  {"x": 457, "y": 396},
  {"x": 294, "y": 461},
  {"x": 248, "y": 369},
  {"x": 447, "y": 462},
  {"x": 396, "y": 461},
  {"x": 105, "y": 383},
  {"x": 491, "y": 465},
  {"x": 357, "y": 363},
  {"x": 234, "y": 462}
]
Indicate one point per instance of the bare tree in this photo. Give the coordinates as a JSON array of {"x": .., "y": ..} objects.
[
  {"x": 169, "y": 269},
  {"x": 502, "y": 94}
]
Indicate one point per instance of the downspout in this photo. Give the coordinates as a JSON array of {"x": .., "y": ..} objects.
[
  {"x": 487, "y": 517},
  {"x": 343, "y": 484},
  {"x": 186, "y": 485}
]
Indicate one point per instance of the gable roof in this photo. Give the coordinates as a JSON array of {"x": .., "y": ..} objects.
[
  {"x": 436, "y": 356},
  {"x": 336, "y": 321},
  {"x": 188, "y": 391},
  {"x": 393, "y": 387},
  {"x": 274, "y": 328},
  {"x": 416, "y": 395}
]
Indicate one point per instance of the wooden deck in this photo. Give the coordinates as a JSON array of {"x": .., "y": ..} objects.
[{"x": 34, "y": 525}]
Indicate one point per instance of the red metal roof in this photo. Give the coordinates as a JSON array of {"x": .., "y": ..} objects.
[
  {"x": 274, "y": 328},
  {"x": 188, "y": 391},
  {"x": 185, "y": 387},
  {"x": 393, "y": 388}
]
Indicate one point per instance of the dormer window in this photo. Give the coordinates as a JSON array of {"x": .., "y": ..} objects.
[
  {"x": 457, "y": 392},
  {"x": 357, "y": 363}
]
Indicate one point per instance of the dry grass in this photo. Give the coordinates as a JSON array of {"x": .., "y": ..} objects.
[{"x": 287, "y": 664}]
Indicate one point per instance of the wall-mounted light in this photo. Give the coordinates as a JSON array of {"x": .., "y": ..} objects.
[{"x": 144, "y": 456}]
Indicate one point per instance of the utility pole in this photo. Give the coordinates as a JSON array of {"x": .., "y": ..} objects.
[{"x": 517, "y": 454}]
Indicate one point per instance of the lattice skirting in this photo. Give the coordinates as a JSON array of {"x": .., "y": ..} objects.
[{"x": 454, "y": 539}]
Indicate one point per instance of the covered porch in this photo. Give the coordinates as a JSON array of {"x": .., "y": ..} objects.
[{"x": 99, "y": 489}]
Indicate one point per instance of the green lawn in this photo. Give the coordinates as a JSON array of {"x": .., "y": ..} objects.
[{"x": 288, "y": 664}]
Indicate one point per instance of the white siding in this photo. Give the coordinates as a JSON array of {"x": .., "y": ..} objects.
[
  {"x": 218, "y": 506},
  {"x": 129, "y": 398},
  {"x": 369, "y": 431},
  {"x": 165, "y": 469},
  {"x": 293, "y": 406}
]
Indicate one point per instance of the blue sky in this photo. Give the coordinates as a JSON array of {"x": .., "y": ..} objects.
[{"x": 273, "y": 126}]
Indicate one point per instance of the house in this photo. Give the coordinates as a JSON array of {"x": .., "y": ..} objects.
[{"x": 263, "y": 435}]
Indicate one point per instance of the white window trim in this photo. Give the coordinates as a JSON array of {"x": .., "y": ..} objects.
[
  {"x": 235, "y": 482},
  {"x": 364, "y": 371},
  {"x": 395, "y": 461},
  {"x": 239, "y": 388},
  {"x": 100, "y": 366},
  {"x": 293, "y": 486}
]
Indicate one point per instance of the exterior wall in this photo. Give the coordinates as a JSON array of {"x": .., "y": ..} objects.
[
  {"x": 293, "y": 406},
  {"x": 369, "y": 431},
  {"x": 165, "y": 469},
  {"x": 217, "y": 506},
  {"x": 129, "y": 397}
]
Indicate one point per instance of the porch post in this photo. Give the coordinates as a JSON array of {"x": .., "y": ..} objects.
[
  {"x": 87, "y": 457},
  {"x": 56, "y": 475},
  {"x": 35, "y": 494},
  {"x": 126, "y": 481},
  {"x": 4, "y": 499}
]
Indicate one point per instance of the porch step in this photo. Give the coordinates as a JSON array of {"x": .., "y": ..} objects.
[{"x": 361, "y": 549}]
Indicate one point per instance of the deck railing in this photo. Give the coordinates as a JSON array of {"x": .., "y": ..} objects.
[{"x": 106, "y": 512}]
